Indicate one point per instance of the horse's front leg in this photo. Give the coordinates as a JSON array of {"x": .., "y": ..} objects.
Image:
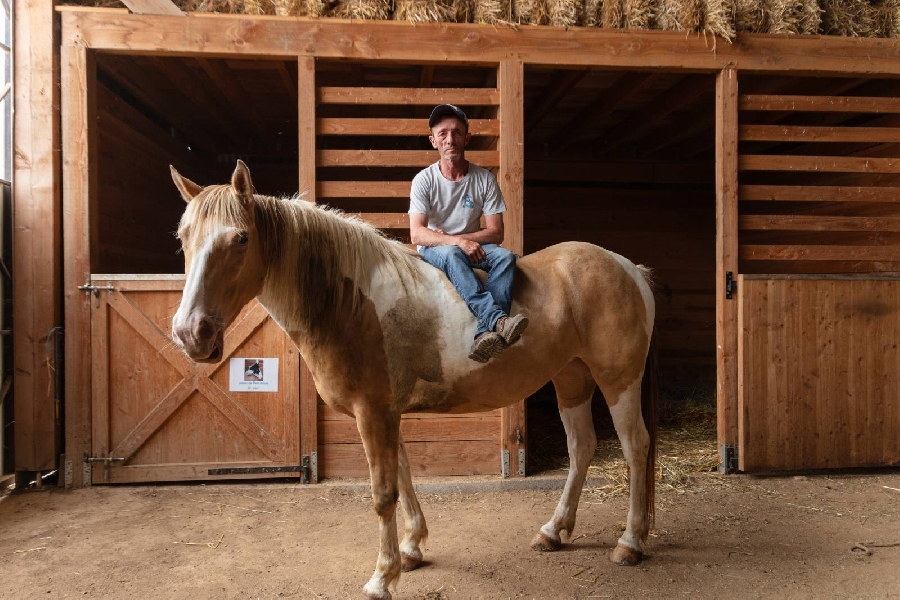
[
  {"x": 415, "y": 531},
  {"x": 380, "y": 432}
]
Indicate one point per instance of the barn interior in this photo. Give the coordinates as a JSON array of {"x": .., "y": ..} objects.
[{"x": 623, "y": 159}]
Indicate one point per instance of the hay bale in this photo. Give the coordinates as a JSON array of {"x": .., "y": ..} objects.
[
  {"x": 493, "y": 11},
  {"x": 565, "y": 13},
  {"x": 423, "y": 11},
  {"x": 530, "y": 12},
  {"x": 463, "y": 11},
  {"x": 680, "y": 15},
  {"x": 591, "y": 17},
  {"x": 639, "y": 14},
  {"x": 213, "y": 6},
  {"x": 718, "y": 18},
  {"x": 317, "y": 8},
  {"x": 612, "y": 14},
  {"x": 887, "y": 18},
  {"x": 794, "y": 16},
  {"x": 259, "y": 7},
  {"x": 290, "y": 8},
  {"x": 852, "y": 18},
  {"x": 363, "y": 10},
  {"x": 751, "y": 16}
]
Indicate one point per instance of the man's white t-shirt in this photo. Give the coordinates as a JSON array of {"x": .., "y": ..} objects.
[{"x": 455, "y": 207}]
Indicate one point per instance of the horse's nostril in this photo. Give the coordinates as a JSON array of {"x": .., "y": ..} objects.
[{"x": 204, "y": 329}]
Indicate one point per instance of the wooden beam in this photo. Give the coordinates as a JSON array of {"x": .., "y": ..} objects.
[
  {"x": 818, "y": 164},
  {"x": 306, "y": 128},
  {"x": 727, "y": 379},
  {"x": 801, "y": 133},
  {"x": 620, "y": 91},
  {"x": 363, "y": 189},
  {"x": 237, "y": 111},
  {"x": 153, "y": 7},
  {"x": 831, "y": 252},
  {"x": 818, "y": 193},
  {"x": 472, "y": 43},
  {"x": 78, "y": 78},
  {"x": 416, "y": 127},
  {"x": 408, "y": 96},
  {"x": 856, "y": 104},
  {"x": 397, "y": 158},
  {"x": 385, "y": 220},
  {"x": 511, "y": 79},
  {"x": 818, "y": 223},
  {"x": 563, "y": 83},
  {"x": 36, "y": 237}
]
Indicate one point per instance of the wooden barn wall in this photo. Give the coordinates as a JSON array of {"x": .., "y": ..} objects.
[{"x": 658, "y": 215}]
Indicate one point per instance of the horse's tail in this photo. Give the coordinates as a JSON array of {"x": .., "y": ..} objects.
[{"x": 649, "y": 403}]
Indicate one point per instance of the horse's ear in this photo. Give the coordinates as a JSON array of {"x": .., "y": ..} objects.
[
  {"x": 188, "y": 188},
  {"x": 240, "y": 181}
]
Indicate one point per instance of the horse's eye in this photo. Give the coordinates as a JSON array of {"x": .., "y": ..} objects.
[{"x": 243, "y": 238}]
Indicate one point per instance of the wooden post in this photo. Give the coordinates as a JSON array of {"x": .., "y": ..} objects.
[
  {"x": 726, "y": 254},
  {"x": 513, "y": 424},
  {"x": 36, "y": 237},
  {"x": 306, "y": 123},
  {"x": 79, "y": 187}
]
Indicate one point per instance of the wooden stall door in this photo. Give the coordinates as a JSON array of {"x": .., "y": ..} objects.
[
  {"x": 171, "y": 419},
  {"x": 818, "y": 372}
]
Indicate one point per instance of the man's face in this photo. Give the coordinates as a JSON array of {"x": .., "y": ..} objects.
[{"x": 450, "y": 138}]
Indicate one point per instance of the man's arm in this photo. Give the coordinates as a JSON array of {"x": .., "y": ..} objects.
[
  {"x": 470, "y": 243},
  {"x": 491, "y": 234}
]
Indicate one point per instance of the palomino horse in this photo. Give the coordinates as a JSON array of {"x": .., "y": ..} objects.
[{"x": 384, "y": 333}]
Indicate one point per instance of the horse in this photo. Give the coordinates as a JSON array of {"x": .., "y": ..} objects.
[{"x": 384, "y": 333}]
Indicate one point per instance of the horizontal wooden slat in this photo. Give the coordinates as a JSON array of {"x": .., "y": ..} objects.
[
  {"x": 820, "y": 103},
  {"x": 418, "y": 127},
  {"x": 425, "y": 458},
  {"x": 418, "y": 430},
  {"x": 801, "y": 133},
  {"x": 397, "y": 158},
  {"x": 408, "y": 96},
  {"x": 814, "y": 223},
  {"x": 819, "y": 164},
  {"x": 326, "y": 413},
  {"x": 818, "y": 193},
  {"x": 386, "y": 220},
  {"x": 865, "y": 268},
  {"x": 806, "y": 252},
  {"x": 363, "y": 189}
]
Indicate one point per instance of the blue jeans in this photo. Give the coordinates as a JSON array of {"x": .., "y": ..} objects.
[{"x": 489, "y": 302}]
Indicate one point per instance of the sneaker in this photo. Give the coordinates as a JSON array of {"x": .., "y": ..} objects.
[
  {"x": 511, "y": 328},
  {"x": 486, "y": 346}
]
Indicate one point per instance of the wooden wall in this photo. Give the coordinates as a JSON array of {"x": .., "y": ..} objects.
[
  {"x": 659, "y": 215},
  {"x": 820, "y": 372}
]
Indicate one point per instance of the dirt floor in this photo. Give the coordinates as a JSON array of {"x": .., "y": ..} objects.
[{"x": 722, "y": 536}]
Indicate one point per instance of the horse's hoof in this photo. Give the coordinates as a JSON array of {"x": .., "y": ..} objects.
[
  {"x": 625, "y": 556},
  {"x": 544, "y": 543},
  {"x": 409, "y": 563},
  {"x": 367, "y": 595}
]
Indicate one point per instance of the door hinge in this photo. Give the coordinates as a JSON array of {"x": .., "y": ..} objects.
[
  {"x": 728, "y": 459},
  {"x": 504, "y": 464},
  {"x": 521, "y": 462},
  {"x": 87, "y": 288},
  {"x": 730, "y": 285},
  {"x": 103, "y": 459}
]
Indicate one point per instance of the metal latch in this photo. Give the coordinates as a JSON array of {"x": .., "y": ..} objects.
[
  {"x": 730, "y": 285},
  {"x": 729, "y": 459},
  {"x": 95, "y": 290},
  {"x": 103, "y": 459}
]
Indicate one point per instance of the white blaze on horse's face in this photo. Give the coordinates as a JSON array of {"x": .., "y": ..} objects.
[{"x": 223, "y": 262}]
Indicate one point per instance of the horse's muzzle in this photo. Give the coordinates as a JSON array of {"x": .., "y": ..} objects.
[{"x": 203, "y": 342}]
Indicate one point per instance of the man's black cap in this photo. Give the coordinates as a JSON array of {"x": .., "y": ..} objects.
[{"x": 447, "y": 110}]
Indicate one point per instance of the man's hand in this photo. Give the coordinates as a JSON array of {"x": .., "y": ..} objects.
[{"x": 473, "y": 250}]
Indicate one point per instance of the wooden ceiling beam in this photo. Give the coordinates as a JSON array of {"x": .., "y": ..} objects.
[
  {"x": 241, "y": 110},
  {"x": 563, "y": 83},
  {"x": 620, "y": 91}
]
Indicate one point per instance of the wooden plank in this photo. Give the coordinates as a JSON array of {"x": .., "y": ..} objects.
[
  {"x": 386, "y": 220},
  {"x": 417, "y": 127},
  {"x": 363, "y": 189},
  {"x": 397, "y": 158},
  {"x": 408, "y": 96},
  {"x": 775, "y": 252},
  {"x": 153, "y": 7},
  {"x": 306, "y": 126},
  {"x": 79, "y": 186},
  {"x": 425, "y": 458},
  {"x": 726, "y": 254},
  {"x": 511, "y": 77},
  {"x": 817, "y": 223},
  {"x": 471, "y": 43},
  {"x": 818, "y": 193},
  {"x": 309, "y": 430},
  {"x": 855, "y": 104},
  {"x": 801, "y": 133},
  {"x": 100, "y": 441},
  {"x": 818, "y": 164},
  {"x": 418, "y": 430}
]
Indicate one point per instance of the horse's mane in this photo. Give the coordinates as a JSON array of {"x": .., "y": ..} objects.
[{"x": 315, "y": 254}]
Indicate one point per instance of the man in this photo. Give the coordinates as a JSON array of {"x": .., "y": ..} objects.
[{"x": 447, "y": 201}]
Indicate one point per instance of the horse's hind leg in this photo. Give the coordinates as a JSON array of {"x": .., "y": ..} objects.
[
  {"x": 574, "y": 389},
  {"x": 626, "y": 414},
  {"x": 415, "y": 531}
]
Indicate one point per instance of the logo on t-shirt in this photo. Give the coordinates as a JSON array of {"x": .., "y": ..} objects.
[{"x": 468, "y": 202}]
